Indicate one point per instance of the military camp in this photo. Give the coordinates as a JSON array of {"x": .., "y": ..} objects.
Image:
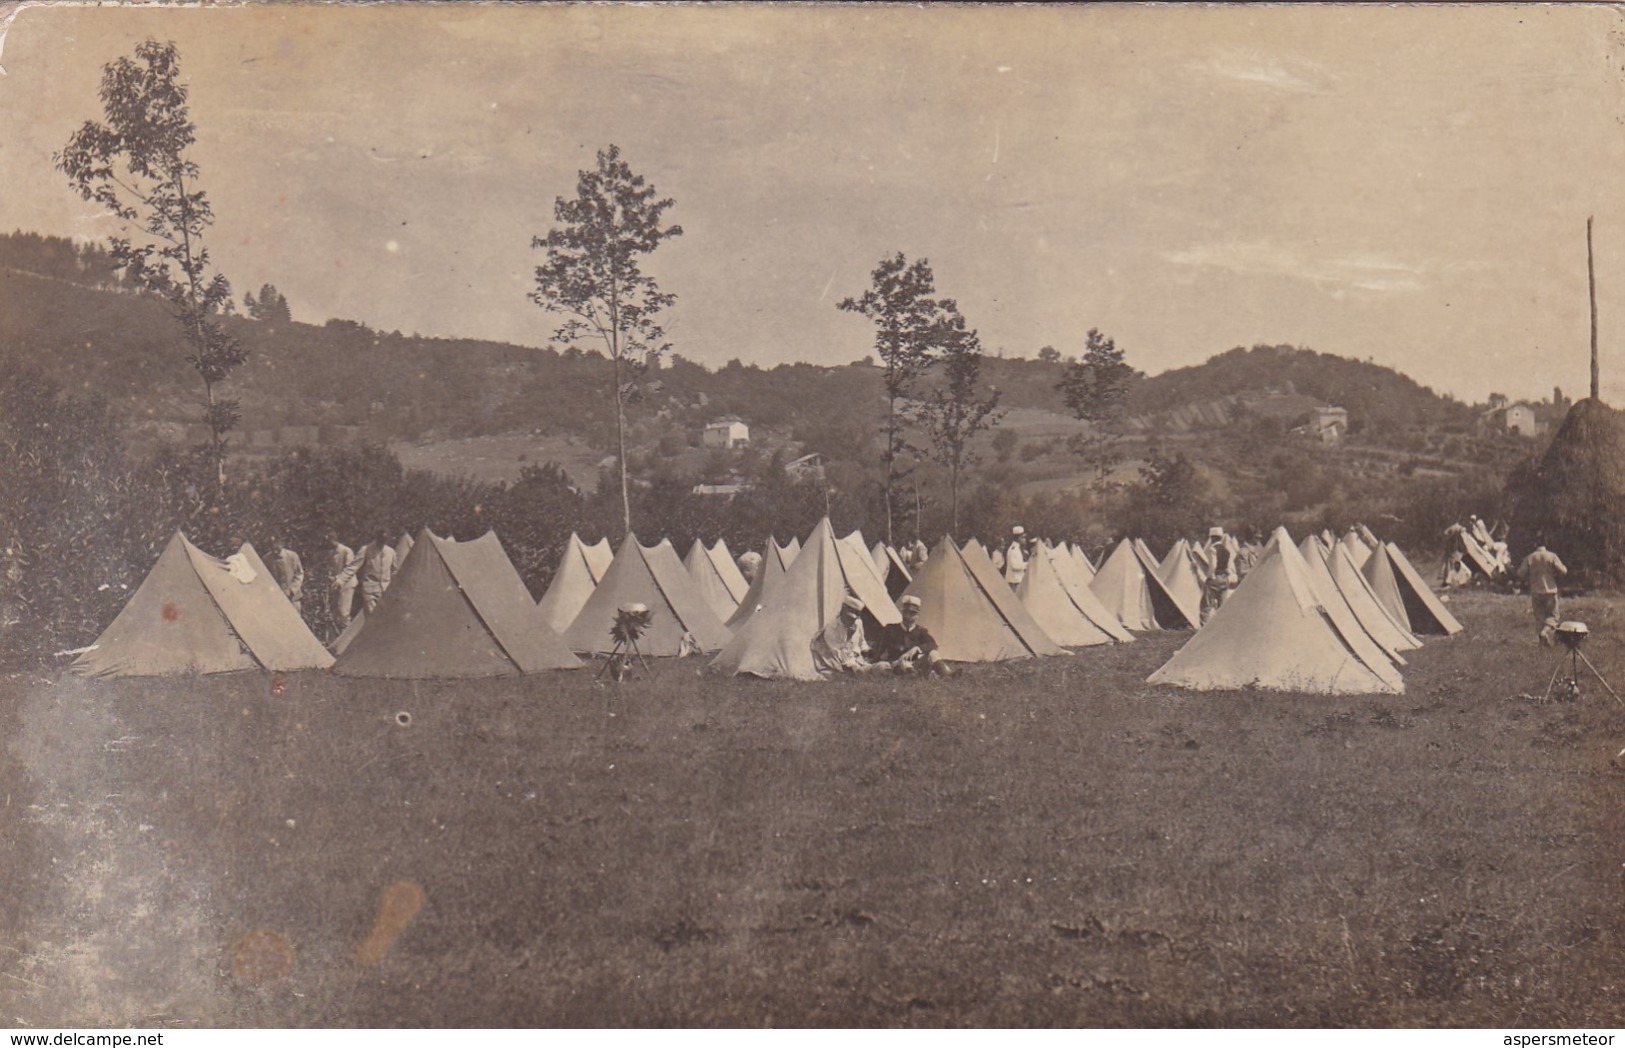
[{"x": 707, "y": 517}]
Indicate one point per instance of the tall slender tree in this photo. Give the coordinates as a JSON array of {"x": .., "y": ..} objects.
[
  {"x": 1094, "y": 388},
  {"x": 899, "y": 303},
  {"x": 954, "y": 412},
  {"x": 593, "y": 277},
  {"x": 138, "y": 166}
]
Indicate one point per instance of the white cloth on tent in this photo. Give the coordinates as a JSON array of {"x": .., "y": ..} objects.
[{"x": 237, "y": 566}]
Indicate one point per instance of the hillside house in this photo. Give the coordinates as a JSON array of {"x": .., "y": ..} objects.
[
  {"x": 719, "y": 490},
  {"x": 1330, "y": 424},
  {"x": 726, "y": 433},
  {"x": 807, "y": 467},
  {"x": 1519, "y": 418}
]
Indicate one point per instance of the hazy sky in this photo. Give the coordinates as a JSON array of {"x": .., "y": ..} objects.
[{"x": 1405, "y": 184}]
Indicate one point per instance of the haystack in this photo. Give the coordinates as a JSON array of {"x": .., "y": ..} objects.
[{"x": 1574, "y": 496}]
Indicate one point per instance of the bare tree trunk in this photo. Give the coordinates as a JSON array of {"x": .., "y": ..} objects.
[
  {"x": 620, "y": 441},
  {"x": 1591, "y": 278},
  {"x": 215, "y": 446},
  {"x": 891, "y": 462}
]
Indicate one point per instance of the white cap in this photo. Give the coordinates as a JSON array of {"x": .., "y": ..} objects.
[
  {"x": 635, "y": 609},
  {"x": 909, "y": 601},
  {"x": 851, "y": 602},
  {"x": 1215, "y": 532},
  {"x": 1018, "y": 530}
]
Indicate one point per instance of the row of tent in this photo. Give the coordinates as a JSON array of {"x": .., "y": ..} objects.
[
  {"x": 459, "y": 609},
  {"x": 1312, "y": 618}
]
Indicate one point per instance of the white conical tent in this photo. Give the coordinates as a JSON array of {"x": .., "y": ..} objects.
[
  {"x": 196, "y": 614},
  {"x": 1379, "y": 574},
  {"x": 1273, "y": 633},
  {"x": 855, "y": 542},
  {"x": 1370, "y": 611},
  {"x": 1076, "y": 571},
  {"x": 1182, "y": 578},
  {"x": 1356, "y": 548},
  {"x": 708, "y": 581},
  {"x": 728, "y": 568},
  {"x": 1349, "y": 625},
  {"x": 1120, "y": 584},
  {"x": 347, "y": 636},
  {"x": 1394, "y": 578},
  {"x": 1129, "y": 588},
  {"x": 768, "y": 573},
  {"x": 1478, "y": 558},
  {"x": 972, "y": 612},
  {"x": 1046, "y": 595},
  {"x": 573, "y": 582},
  {"x": 457, "y": 610},
  {"x": 403, "y": 546},
  {"x": 776, "y": 642},
  {"x": 1086, "y": 568},
  {"x": 600, "y": 555},
  {"x": 893, "y": 572},
  {"x": 1180, "y": 549},
  {"x": 654, "y": 577}
]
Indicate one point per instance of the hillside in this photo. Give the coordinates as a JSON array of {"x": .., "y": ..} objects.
[
  {"x": 344, "y": 373},
  {"x": 444, "y": 401}
]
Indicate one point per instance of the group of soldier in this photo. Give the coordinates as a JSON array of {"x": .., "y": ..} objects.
[
  {"x": 1539, "y": 571},
  {"x": 367, "y": 570}
]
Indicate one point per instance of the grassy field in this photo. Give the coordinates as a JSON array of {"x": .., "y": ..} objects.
[
  {"x": 1050, "y": 843},
  {"x": 501, "y": 458}
]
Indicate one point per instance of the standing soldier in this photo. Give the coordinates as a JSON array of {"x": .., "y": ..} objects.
[
  {"x": 1221, "y": 576},
  {"x": 1015, "y": 559},
  {"x": 339, "y": 557},
  {"x": 288, "y": 570},
  {"x": 1541, "y": 569},
  {"x": 372, "y": 566}
]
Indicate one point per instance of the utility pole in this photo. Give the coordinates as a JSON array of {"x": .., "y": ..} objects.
[{"x": 1591, "y": 277}]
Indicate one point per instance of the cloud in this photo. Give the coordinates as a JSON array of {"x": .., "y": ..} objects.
[
  {"x": 1358, "y": 271},
  {"x": 1255, "y": 67}
]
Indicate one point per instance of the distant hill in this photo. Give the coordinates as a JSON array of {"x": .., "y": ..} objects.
[
  {"x": 64, "y": 310},
  {"x": 1379, "y": 399}
]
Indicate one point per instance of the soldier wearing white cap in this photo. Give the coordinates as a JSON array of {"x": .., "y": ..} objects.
[
  {"x": 841, "y": 646},
  {"x": 1221, "y": 577},
  {"x": 1015, "y": 558},
  {"x": 908, "y": 647}
]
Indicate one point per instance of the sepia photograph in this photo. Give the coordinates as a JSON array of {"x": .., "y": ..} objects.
[{"x": 861, "y": 516}]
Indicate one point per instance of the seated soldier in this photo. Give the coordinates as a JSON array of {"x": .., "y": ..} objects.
[
  {"x": 1456, "y": 572},
  {"x": 841, "y": 647},
  {"x": 909, "y": 647}
]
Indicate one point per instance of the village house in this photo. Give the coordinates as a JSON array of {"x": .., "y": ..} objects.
[{"x": 726, "y": 433}]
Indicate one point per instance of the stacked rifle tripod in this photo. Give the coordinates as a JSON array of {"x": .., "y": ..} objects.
[{"x": 1570, "y": 635}]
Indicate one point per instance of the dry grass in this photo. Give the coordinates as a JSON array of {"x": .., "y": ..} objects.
[
  {"x": 1054, "y": 843},
  {"x": 501, "y": 458}
]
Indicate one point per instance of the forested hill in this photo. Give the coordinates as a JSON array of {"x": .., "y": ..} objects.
[
  {"x": 1379, "y": 399},
  {"x": 64, "y": 312}
]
